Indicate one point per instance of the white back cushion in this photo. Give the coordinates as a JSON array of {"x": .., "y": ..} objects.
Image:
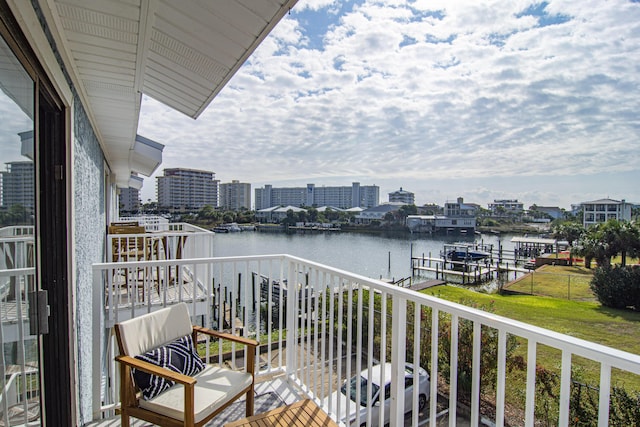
[{"x": 152, "y": 330}]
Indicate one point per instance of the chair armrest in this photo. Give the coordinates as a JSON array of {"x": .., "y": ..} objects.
[
  {"x": 156, "y": 370},
  {"x": 225, "y": 336}
]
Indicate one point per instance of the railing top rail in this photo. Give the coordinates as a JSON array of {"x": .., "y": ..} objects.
[
  {"x": 17, "y": 230},
  {"x": 182, "y": 261},
  {"x": 20, "y": 238},
  {"x": 18, "y": 272},
  {"x": 161, "y": 233}
]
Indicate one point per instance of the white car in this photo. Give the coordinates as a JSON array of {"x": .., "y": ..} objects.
[{"x": 349, "y": 408}]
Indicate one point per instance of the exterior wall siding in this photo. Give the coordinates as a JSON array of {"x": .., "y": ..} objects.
[{"x": 90, "y": 220}]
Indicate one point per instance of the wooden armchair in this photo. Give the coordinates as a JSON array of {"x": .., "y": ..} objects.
[{"x": 192, "y": 400}]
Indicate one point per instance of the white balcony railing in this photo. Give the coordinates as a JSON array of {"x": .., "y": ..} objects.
[
  {"x": 339, "y": 324},
  {"x": 150, "y": 222},
  {"x": 161, "y": 241}
]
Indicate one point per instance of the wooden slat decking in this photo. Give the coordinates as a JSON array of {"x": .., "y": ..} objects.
[{"x": 303, "y": 413}]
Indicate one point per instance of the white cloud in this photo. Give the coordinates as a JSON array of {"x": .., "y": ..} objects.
[{"x": 399, "y": 94}]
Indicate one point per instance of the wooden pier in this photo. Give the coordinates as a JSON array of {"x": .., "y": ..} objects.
[{"x": 469, "y": 271}]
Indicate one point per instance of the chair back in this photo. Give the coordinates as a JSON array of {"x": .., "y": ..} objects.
[{"x": 152, "y": 330}]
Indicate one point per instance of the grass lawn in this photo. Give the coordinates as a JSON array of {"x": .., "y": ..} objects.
[
  {"x": 557, "y": 282},
  {"x": 587, "y": 320}
]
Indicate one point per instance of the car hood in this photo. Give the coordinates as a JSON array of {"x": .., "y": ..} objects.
[{"x": 348, "y": 408}]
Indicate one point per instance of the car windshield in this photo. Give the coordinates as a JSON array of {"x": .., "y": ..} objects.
[{"x": 361, "y": 382}]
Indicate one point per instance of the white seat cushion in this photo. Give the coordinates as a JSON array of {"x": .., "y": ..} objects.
[{"x": 215, "y": 387}]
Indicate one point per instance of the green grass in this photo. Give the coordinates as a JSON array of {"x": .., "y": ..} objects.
[
  {"x": 590, "y": 321},
  {"x": 557, "y": 282}
]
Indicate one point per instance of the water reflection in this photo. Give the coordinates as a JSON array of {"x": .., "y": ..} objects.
[{"x": 386, "y": 256}]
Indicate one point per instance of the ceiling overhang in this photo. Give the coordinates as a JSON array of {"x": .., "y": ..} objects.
[
  {"x": 145, "y": 156},
  {"x": 135, "y": 182},
  {"x": 181, "y": 53}
]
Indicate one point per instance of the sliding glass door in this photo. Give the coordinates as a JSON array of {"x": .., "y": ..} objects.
[{"x": 19, "y": 359}]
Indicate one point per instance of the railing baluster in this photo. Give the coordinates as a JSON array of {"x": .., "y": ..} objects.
[
  {"x": 359, "y": 346},
  {"x": 339, "y": 346},
  {"x": 257, "y": 307},
  {"x": 331, "y": 296},
  {"x": 319, "y": 359},
  {"x": 349, "y": 326},
  {"x": 530, "y": 404},
  {"x": 605, "y": 391},
  {"x": 500, "y": 392},
  {"x": 417, "y": 339},
  {"x": 398, "y": 359},
  {"x": 565, "y": 389},
  {"x": 383, "y": 349},
  {"x": 433, "y": 398},
  {"x": 281, "y": 314},
  {"x": 307, "y": 316},
  {"x": 292, "y": 324},
  {"x": 372, "y": 316},
  {"x": 475, "y": 374},
  {"x": 453, "y": 375},
  {"x": 323, "y": 321}
]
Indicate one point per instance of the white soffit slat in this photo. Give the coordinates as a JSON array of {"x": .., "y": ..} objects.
[{"x": 182, "y": 97}]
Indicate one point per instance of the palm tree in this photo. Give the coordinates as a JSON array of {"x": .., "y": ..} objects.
[
  {"x": 592, "y": 247},
  {"x": 605, "y": 241},
  {"x": 629, "y": 241},
  {"x": 571, "y": 232}
]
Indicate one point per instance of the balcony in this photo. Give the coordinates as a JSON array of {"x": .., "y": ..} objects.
[{"x": 319, "y": 326}]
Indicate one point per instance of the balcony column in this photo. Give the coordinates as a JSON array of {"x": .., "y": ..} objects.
[{"x": 398, "y": 359}]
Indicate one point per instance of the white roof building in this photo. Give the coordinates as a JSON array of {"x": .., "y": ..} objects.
[{"x": 602, "y": 210}]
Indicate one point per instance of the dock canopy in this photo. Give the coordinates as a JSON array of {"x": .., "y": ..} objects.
[{"x": 534, "y": 241}]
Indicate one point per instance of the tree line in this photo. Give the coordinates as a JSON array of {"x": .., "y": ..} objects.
[{"x": 614, "y": 285}]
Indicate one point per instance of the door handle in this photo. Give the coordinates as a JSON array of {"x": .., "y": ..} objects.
[{"x": 38, "y": 312}]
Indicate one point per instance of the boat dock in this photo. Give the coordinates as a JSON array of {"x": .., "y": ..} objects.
[
  {"x": 427, "y": 284},
  {"x": 471, "y": 272}
]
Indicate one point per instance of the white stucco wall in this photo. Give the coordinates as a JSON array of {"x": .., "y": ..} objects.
[{"x": 90, "y": 225}]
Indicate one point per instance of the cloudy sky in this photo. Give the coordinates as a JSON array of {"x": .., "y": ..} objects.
[{"x": 538, "y": 101}]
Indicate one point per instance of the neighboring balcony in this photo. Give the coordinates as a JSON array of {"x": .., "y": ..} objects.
[
  {"x": 131, "y": 287},
  {"x": 319, "y": 326}
]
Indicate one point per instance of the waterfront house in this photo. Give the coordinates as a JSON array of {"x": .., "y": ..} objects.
[
  {"x": 602, "y": 210},
  {"x": 377, "y": 213},
  {"x": 505, "y": 207},
  {"x": 458, "y": 208},
  {"x": 276, "y": 214},
  {"x": 76, "y": 70}
]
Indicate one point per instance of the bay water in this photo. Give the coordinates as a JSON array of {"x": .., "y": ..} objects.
[{"x": 377, "y": 256}]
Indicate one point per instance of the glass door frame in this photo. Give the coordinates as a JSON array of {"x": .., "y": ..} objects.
[{"x": 51, "y": 169}]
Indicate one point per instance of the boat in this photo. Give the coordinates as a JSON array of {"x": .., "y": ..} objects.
[
  {"x": 465, "y": 252},
  {"x": 227, "y": 228},
  {"x": 467, "y": 255}
]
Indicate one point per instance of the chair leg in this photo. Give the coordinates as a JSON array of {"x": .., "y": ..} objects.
[
  {"x": 250, "y": 400},
  {"x": 124, "y": 420}
]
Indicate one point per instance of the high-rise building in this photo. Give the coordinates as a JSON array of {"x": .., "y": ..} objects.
[
  {"x": 235, "y": 195},
  {"x": 402, "y": 196},
  {"x": 186, "y": 189},
  {"x": 18, "y": 184},
  {"x": 129, "y": 199},
  {"x": 365, "y": 196}
]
